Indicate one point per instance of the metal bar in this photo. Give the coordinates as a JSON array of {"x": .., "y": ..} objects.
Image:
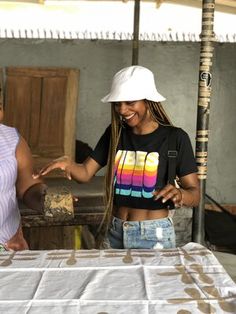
[
  {"x": 223, "y": 209},
  {"x": 135, "y": 51},
  {"x": 203, "y": 111}
]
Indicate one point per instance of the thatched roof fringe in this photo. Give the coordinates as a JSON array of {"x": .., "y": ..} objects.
[{"x": 108, "y": 35}]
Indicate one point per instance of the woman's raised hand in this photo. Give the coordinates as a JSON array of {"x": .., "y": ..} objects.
[{"x": 62, "y": 163}]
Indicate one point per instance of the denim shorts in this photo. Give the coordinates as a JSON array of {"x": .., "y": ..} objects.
[{"x": 146, "y": 234}]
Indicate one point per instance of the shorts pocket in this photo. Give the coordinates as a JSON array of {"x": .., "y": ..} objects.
[
  {"x": 151, "y": 232},
  {"x": 159, "y": 232}
]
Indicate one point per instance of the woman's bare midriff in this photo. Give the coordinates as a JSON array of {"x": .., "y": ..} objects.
[{"x": 136, "y": 214}]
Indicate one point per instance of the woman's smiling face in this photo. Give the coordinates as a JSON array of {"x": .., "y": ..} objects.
[{"x": 134, "y": 113}]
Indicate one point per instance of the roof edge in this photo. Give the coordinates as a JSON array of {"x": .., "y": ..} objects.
[{"x": 109, "y": 35}]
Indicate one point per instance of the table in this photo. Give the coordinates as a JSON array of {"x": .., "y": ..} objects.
[
  {"x": 188, "y": 279},
  {"x": 89, "y": 210}
]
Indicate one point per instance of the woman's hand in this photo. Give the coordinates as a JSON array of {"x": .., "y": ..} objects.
[
  {"x": 64, "y": 163},
  {"x": 187, "y": 195},
  {"x": 34, "y": 196},
  {"x": 79, "y": 172},
  {"x": 169, "y": 192}
]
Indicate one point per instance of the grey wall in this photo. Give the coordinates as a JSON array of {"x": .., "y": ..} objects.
[{"x": 175, "y": 66}]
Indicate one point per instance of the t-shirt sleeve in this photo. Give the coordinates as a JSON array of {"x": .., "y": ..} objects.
[
  {"x": 186, "y": 162},
  {"x": 100, "y": 152}
]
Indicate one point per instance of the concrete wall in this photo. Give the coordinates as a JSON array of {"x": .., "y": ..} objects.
[{"x": 175, "y": 66}]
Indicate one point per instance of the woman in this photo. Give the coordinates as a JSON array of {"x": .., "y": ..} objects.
[
  {"x": 16, "y": 168},
  {"x": 134, "y": 148}
]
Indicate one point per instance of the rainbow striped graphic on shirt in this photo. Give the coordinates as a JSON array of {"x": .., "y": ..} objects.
[{"x": 136, "y": 173}]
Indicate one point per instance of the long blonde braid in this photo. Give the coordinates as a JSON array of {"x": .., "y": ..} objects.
[
  {"x": 158, "y": 113},
  {"x": 116, "y": 124},
  {"x": 109, "y": 178}
]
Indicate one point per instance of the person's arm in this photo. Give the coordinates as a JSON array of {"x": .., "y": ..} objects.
[
  {"x": 190, "y": 190},
  {"x": 31, "y": 191},
  {"x": 79, "y": 172},
  {"x": 85, "y": 171},
  {"x": 187, "y": 195}
]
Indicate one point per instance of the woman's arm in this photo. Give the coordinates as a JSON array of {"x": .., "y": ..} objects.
[
  {"x": 187, "y": 195},
  {"x": 190, "y": 190},
  {"x": 24, "y": 168},
  {"x": 31, "y": 188},
  {"x": 31, "y": 191},
  {"x": 79, "y": 172}
]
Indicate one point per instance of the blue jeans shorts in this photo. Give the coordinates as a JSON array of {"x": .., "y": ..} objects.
[{"x": 146, "y": 234}]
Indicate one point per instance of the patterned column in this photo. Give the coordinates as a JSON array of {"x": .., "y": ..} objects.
[
  {"x": 135, "y": 51},
  {"x": 203, "y": 111}
]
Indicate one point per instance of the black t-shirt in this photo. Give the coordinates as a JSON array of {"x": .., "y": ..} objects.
[{"x": 141, "y": 165}]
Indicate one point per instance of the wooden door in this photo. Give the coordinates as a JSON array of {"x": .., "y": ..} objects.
[
  {"x": 1, "y": 88},
  {"x": 41, "y": 104}
]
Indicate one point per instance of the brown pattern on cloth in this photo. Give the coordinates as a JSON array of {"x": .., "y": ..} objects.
[
  {"x": 8, "y": 260},
  {"x": 224, "y": 305},
  {"x": 195, "y": 295},
  {"x": 127, "y": 257},
  {"x": 72, "y": 257},
  {"x": 186, "y": 255},
  {"x": 203, "y": 306},
  {"x": 186, "y": 277},
  {"x": 203, "y": 277},
  {"x": 10, "y": 257},
  {"x": 203, "y": 296}
]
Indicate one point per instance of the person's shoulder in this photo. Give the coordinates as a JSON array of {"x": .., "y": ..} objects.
[
  {"x": 177, "y": 132},
  {"x": 170, "y": 129},
  {"x": 6, "y": 127},
  {"x": 183, "y": 139},
  {"x": 9, "y": 130},
  {"x": 9, "y": 136},
  {"x": 108, "y": 130},
  {"x": 106, "y": 133},
  {"x": 180, "y": 132}
]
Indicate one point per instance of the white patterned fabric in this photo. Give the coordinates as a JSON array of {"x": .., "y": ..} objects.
[
  {"x": 188, "y": 279},
  {"x": 9, "y": 211}
]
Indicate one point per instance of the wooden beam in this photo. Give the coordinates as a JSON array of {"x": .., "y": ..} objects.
[
  {"x": 228, "y": 3},
  {"x": 27, "y": 1},
  {"x": 228, "y": 6}
]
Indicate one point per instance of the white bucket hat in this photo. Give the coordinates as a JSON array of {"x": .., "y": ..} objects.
[{"x": 133, "y": 83}]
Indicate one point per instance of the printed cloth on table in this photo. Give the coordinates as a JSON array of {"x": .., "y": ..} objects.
[{"x": 187, "y": 279}]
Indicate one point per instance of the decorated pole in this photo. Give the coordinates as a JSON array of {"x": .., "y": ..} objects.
[
  {"x": 203, "y": 111},
  {"x": 135, "y": 50}
]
